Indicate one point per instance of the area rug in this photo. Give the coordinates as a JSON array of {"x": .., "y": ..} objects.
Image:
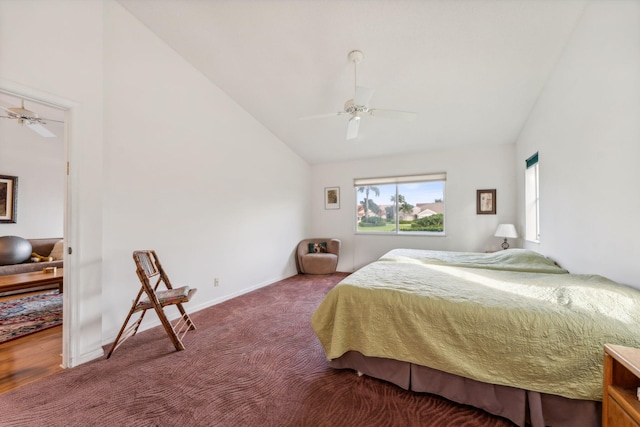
[{"x": 29, "y": 314}]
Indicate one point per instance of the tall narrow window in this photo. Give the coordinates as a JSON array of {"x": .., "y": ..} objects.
[
  {"x": 400, "y": 205},
  {"x": 532, "y": 199}
]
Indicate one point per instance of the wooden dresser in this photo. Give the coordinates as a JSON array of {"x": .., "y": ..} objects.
[{"x": 620, "y": 403}]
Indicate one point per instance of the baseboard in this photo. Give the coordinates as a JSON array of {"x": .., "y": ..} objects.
[
  {"x": 195, "y": 308},
  {"x": 87, "y": 357}
]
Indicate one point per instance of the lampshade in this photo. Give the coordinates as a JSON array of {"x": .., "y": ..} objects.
[{"x": 506, "y": 231}]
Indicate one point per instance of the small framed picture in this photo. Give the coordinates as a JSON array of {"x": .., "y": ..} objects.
[
  {"x": 8, "y": 198},
  {"x": 332, "y": 197},
  {"x": 486, "y": 202}
]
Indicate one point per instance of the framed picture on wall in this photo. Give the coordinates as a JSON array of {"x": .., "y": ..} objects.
[
  {"x": 486, "y": 202},
  {"x": 8, "y": 198},
  {"x": 332, "y": 197}
]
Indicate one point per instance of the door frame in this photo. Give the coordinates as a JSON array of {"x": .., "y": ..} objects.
[{"x": 70, "y": 304}]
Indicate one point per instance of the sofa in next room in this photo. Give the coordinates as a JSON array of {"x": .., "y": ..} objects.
[{"x": 43, "y": 247}]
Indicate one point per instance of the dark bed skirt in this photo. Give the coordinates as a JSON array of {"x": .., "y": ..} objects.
[{"x": 522, "y": 407}]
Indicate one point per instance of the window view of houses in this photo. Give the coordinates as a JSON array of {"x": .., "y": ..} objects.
[{"x": 400, "y": 208}]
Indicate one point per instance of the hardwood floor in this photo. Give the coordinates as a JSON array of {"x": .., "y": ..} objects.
[{"x": 30, "y": 358}]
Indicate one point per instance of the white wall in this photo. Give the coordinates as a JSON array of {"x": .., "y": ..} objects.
[
  {"x": 189, "y": 174},
  {"x": 39, "y": 165},
  {"x": 468, "y": 169},
  {"x": 179, "y": 167},
  {"x": 586, "y": 127},
  {"x": 59, "y": 54}
]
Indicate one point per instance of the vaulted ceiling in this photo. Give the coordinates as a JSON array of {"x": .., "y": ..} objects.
[{"x": 472, "y": 70}]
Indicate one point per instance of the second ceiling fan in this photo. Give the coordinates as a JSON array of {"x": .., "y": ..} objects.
[
  {"x": 358, "y": 106},
  {"x": 30, "y": 119}
]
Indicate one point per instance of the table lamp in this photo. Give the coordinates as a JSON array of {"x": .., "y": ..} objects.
[{"x": 506, "y": 231}]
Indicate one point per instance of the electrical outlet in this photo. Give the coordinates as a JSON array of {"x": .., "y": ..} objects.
[{"x": 216, "y": 282}]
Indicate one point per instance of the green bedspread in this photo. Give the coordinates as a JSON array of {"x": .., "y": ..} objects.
[
  {"x": 510, "y": 260},
  {"x": 535, "y": 331}
]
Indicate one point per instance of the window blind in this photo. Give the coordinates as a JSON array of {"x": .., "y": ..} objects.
[
  {"x": 532, "y": 160},
  {"x": 365, "y": 182}
]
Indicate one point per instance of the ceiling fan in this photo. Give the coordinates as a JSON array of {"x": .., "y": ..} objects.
[
  {"x": 358, "y": 106},
  {"x": 29, "y": 118}
]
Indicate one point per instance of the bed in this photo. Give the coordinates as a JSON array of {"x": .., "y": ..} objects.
[{"x": 509, "y": 332}]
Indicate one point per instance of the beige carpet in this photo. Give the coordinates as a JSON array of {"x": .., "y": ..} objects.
[{"x": 253, "y": 361}]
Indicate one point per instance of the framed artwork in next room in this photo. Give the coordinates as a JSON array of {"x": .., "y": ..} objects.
[{"x": 8, "y": 198}]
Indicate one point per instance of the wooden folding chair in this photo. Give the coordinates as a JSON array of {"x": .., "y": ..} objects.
[{"x": 149, "y": 297}]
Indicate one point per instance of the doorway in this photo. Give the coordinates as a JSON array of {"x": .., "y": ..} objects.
[{"x": 51, "y": 104}]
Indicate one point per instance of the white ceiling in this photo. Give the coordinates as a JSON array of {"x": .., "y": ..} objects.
[{"x": 472, "y": 70}]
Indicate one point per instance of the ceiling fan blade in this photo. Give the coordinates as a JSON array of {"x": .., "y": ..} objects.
[
  {"x": 323, "y": 116},
  {"x": 363, "y": 95},
  {"x": 40, "y": 130},
  {"x": 45, "y": 120},
  {"x": 392, "y": 114},
  {"x": 7, "y": 109},
  {"x": 352, "y": 128}
]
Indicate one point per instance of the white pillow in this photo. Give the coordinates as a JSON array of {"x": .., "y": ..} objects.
[{"x": 57, "y": 253}]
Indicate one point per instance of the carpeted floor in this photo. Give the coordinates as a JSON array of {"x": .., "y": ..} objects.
[
  {"x": 253, "y": 361},
  {"x": 29, "y": 314}
]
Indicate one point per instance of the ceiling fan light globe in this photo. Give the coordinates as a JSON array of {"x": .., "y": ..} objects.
[{"x": 349, "y": 106}]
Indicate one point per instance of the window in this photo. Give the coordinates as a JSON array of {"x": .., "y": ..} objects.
[
  {"x": 400, "y": 205},
  {"x": 532, "y": 200}
]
